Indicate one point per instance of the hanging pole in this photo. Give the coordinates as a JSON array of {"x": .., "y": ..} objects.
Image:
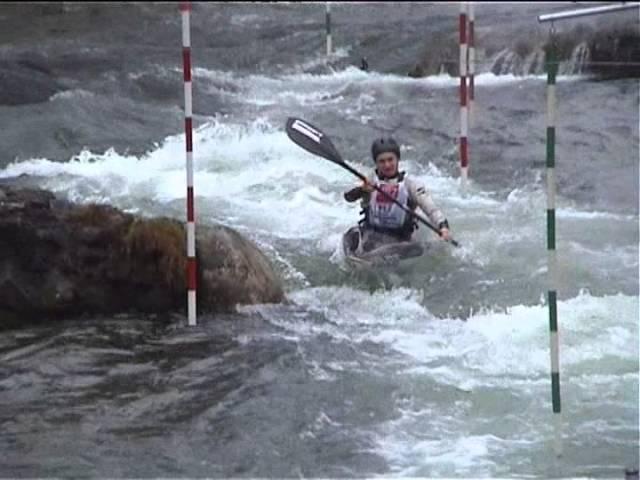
[
  {"x": 472, "y": 61},
  {"x": 464, "y": 157},
  {"x": 185, "y": 9},
  {"x": 552, "y": 265},
  {"x": 550, "y": 17},
  {"x": 328, "y": 24}
]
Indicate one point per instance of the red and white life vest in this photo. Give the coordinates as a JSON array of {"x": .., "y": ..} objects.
[{"x": 385, "y": 214}]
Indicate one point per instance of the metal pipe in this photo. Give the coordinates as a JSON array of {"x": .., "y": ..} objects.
[{"x": 550, "y": 17}]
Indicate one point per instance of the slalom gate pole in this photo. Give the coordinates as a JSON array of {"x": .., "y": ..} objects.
[
  {"x": 185, "y": 8},
  {"x": 551, "y": 66},
  {"x": 464, "y": 155},
  {"x": 472, "y": 62},
  {"x": 552, "y": 268}
]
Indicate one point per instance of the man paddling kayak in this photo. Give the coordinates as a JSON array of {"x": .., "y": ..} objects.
[{"x": 385, "y": 222}]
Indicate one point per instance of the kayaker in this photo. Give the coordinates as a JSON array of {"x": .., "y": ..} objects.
[{"x": 383, "y": 220}]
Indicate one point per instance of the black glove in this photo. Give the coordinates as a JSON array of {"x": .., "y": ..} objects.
[{"x": 354, "y": 194}]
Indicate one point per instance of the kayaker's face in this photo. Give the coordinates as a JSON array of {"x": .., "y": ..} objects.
[{"x": 387, "y": 164}]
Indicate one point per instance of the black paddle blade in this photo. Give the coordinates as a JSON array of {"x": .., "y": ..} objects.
[{"x": 312, "y": 139}]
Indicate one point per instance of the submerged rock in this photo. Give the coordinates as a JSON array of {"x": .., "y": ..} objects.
[
  {"x": 58, "y": 259},
  {"x": 22, "y": 83}
]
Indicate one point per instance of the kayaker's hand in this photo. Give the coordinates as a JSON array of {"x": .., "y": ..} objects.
[
  {"x": 444, "y": 233},
  {"x": 367, "y": 187}
]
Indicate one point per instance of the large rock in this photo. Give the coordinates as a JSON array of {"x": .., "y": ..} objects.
[{"x": 58, "y": 260}]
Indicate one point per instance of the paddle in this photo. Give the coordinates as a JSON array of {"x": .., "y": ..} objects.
[{"x": 313, "y": 140}]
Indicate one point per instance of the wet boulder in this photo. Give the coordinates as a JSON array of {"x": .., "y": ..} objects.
[{"x": 59, "y": 260}]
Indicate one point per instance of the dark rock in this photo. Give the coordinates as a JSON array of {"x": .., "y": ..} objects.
[
  {"x": 416, "y": 72},
  {"x": 234, "y": 270},
  {"x": 59, "y": 260},
  {"x": 623, "y": 49}
]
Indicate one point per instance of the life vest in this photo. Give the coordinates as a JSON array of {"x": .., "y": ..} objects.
[{"x": 386, "y": 216}]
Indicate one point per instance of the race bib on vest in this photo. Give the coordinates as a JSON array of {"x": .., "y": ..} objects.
[{"x": 383, "y": 212}]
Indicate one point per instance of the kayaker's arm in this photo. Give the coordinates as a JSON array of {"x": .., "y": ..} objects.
[
  {"x": 422, "y": 199},
  {"x": 363, "y": 191}
]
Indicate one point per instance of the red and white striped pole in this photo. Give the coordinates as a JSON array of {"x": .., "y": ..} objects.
[
  {"x": 464, "y": 157},
  {"x": 472, "y": 61},
  {"x": 185, "y": 8}
]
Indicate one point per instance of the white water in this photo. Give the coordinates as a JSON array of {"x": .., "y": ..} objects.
[
  {"x": 250, "y": 176},
  {"x": 504, "y": 351}
]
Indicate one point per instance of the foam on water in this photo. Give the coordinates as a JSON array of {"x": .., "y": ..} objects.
[
  {"x": 493, "y": 351},
  {"x": 252, "y": 177},
  {"x": 354, "y": 74},
  {"x": 70, "y": 95},
  {"x": 253, "y": 172},
  {"x": 500, "y": 344},
  {"x": 324, "y": 89}
]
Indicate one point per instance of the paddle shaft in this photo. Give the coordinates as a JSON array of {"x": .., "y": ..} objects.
[{"x": 389, "y": 197}]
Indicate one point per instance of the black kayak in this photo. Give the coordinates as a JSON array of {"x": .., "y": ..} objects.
[{"x": 366, "y": 248}]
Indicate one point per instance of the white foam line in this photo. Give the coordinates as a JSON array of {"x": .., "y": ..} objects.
[
  {"x": 573, "y": 213},
  {"x": 354, "y": 74}
]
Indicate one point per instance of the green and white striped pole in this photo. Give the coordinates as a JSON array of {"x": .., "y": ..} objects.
[{"x": 552, "y": 268}]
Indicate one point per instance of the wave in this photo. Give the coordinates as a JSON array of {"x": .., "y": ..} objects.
[
  {"x": 495, "y": 365},
  {"x": 71, "y": 95},
  {"x": 509, "y": 341},
  {"x": 354, "y": 74}
]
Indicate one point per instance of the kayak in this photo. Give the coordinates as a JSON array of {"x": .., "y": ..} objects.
[{"x": 373, "y": 249}]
